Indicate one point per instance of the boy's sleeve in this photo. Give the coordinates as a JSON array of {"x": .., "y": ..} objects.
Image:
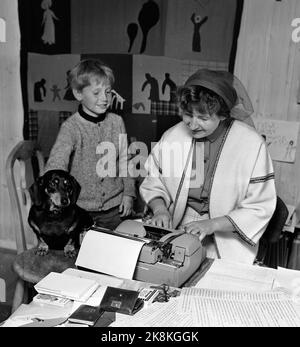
[
  {"x": 128, "y": 181},
  {"x": 61, "y": 151}
]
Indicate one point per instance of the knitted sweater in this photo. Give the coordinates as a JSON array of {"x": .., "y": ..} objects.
[{"x": 78, "y": 150}]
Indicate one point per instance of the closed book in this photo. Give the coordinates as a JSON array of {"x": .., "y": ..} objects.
[{"x": 86, "y": 314}]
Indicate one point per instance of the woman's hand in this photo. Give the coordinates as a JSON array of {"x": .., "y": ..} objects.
[
  {"x": 200, "y": 228},
  {"x": 125, "y": 207},
  {"x": 162, "y": 218},
  {"x": 205, "y": 227}
]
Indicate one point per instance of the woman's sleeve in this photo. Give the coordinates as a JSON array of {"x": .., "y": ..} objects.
[
  {"x": 153, "y": 185},
  {"x": 253, "y": 213}
]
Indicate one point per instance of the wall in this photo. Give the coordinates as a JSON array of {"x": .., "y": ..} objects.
[
  {"x": 11, "y": 118},
  {"x": 268, "y": 62}
]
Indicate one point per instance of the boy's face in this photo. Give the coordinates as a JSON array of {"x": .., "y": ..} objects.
[
  {"x": 201, "y": 125},
  {"x": 95, "y": 98}
]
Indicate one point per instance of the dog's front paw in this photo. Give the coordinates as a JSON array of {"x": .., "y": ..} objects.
[
  {"x": 70, "y": 251},
  {"x": 42, "y": 249}
]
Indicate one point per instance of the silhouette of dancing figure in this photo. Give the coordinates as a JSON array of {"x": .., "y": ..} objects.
[
  {"x": 48, "y": 23},
  {"x": 154, "y": 89},
  {"x": 55, "y": 91},
  {"x": 172, "y": 86},
  {"x": 39, "y": 90},
  {"x": 198, "y": 22}
]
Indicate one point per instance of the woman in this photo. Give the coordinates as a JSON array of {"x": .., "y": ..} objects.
[{"x": 211, "y": 174}]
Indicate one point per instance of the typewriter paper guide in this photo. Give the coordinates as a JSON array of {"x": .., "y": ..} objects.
[{"x": 109, "y": 254}]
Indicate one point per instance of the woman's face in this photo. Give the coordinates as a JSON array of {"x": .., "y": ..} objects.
[{"x": 201, "y": 125}]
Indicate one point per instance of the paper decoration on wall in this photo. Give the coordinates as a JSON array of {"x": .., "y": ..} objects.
[
  {"x": 202, "y": 29},
  {"x": 148, "y": 17},
  {"x": 45, "y": 26},
  {"x": 118, "y": 26},
  {"x": 281, "y": 138},
  {"x": 132, "y": 31},
  {"x": 121, "y": 64},
  {"x": 47, "y": 85},
  {"x": 155, "y": 80},
  {"x": 198, "y": 21},
  {"x": 172, "y": 87},
  {"x": 48, "y": 22}
]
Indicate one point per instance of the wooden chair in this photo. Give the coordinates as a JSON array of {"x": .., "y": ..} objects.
[{"x": 29, "y": 267}]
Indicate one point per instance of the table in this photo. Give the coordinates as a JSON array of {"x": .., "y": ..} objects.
[{"x": 108, "y": 317}]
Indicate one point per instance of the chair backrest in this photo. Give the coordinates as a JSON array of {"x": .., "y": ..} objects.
[
  {"x": 19, "y": 178},
  {"x": 276, "y": 223},
  {"x": 267, "y": 253}
]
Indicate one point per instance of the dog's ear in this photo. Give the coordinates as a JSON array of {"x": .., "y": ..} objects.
[
  {"x": 76, "y": 188},
  {"x": 36, "y": 191}
]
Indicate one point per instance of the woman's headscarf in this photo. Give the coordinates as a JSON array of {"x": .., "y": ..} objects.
[{"x": 226, "y": 85}]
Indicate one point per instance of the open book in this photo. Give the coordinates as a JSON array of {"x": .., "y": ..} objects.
[{"x": 66, "y": 286}]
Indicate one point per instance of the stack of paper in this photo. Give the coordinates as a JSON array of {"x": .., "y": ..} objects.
[
  {"x": 71, "y": 287},
  {"x": 228, "y": 275},
  {"x": 221, "y": 308}
]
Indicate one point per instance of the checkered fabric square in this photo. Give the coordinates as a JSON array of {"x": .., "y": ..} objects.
[
  {"x": 33, "y": 125},
  {"x": 164, "y": 108}
]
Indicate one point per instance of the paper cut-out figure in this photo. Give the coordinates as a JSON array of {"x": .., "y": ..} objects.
[
  {"x": 39, "y": 91},
  {"x": 132, "y": 31},
  {"x": 69, "y": 93},
  {"x": 55, "y": 91},
  {"x": 118, "y": 99},
  {"x": 48, "y": 23},
  {"x": 139, "y": 105},
  {"x": 154, "y": 89},
  {"x": 148, "y": 18},
  {"x": 172, "y": 86},
  {"x": 198, "y": 22}
]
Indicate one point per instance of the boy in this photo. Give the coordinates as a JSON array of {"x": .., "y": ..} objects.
[{"x": 79, "y": 146}]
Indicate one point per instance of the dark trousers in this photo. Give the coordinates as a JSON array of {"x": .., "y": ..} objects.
[{"x": 109, "y": 219}]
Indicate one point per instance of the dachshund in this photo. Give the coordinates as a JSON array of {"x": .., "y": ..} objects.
[{"x": 54, "y": 216}]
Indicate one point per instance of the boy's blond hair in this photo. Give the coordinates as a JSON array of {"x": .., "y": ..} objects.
[{"x": 80, "y": 76}]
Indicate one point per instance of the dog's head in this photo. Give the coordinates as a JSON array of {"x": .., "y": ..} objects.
[{"x": 55, "y": 191}]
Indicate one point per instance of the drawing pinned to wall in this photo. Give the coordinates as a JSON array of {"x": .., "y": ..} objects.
[
  {"x": 48, "y": 22},
  {"x": 198, "y": 21},
  {"x": 281, "y": 138},
  {"x": 148, "y": 17}
]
